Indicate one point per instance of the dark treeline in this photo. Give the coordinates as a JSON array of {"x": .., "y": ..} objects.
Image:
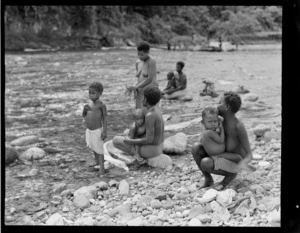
[{"x": 29, "y": 26}]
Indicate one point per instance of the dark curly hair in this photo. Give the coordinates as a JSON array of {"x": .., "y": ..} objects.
[
  {"x": 209, "y": 110},
  {"x": 97, "y": 85},
  {"x": 152, "y": 94},
  {"x": 181, "y": 63},
  {"x": 233, "y": 100},
  {"x": 143, "y": 46}
]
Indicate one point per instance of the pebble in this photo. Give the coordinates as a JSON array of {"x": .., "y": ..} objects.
[
  {"x": 263, "y": 163},
  {"x": 194, "y": 222},
  {"x": 124, "y": 187}
]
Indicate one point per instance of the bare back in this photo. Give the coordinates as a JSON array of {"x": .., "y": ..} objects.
[{"x": 158, "y": 124}]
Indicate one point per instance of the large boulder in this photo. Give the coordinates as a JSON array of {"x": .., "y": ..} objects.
[
  {"x": 11, "y": 154},
  {"x": 33, "y": 153},
  {"x": 161, "y": 161},
  {"x": 26, "y": 140},
  {"x": 89, "y": 191},
  {"x": 175, "y": 144}
]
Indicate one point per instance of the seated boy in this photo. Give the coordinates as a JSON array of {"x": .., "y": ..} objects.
[{"x": 138, "y": 130}]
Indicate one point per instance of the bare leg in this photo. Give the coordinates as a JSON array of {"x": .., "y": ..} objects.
[
  {"x": 136, "y": 155},
  {"x": 101, "y": 160},
  {"x": 207, "y": 165},
  {"x": 199, "y": 153},
  {"x": 118, "y": 142},
  {"x": 97, "y": 158}
]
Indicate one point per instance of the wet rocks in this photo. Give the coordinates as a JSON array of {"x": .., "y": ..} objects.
[
  {"x": 263, "y": 163},
  {"x": 81, "y": 201},
  {"x": 55, "y": 219},
  {"x": 124, "y": 187},
  {"x": 85, "y": 221},
  {"x": 220, "y": 213},
  {"x": 11, "y": 154},
  {"x": 270, "y": 202},
  {"x": 101, "y": 185},
  {"x": 195, "y": 211},
  {"x": 121, "y": 209},
  {"x": 194, "y": 222},
  {"x": 138, "y": 221},
  {"x": 58, "y": 188},
  {"x": 33, "y": 153},
  {"x": 113, "y": 183},
  {"x": 175, "y": 144},
  {"x": 161, "y": 161},
  {"x": 26, "y": 140},
  {"x": 272, "y": 134},
  {"x": 225, "y": 197},
  {"x": 208, "y": 196},
  {"x": 90, "y": 192},
  {"x": 156, "y": 204},
  {"x": 256, "y": 156}
]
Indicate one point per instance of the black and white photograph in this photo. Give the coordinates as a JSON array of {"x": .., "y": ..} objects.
[{"x": 109, "y": 112}]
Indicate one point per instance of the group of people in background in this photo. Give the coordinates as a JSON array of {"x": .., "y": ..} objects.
[{"x": 224, "y": 148}]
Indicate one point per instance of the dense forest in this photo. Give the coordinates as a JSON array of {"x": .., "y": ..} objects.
[{"x": 96, "y": 26}]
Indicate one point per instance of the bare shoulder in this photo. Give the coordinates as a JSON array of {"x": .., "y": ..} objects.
[
  {"x": 152, "y": 61},
  {"x": 208, "y": 133},
  {"x": 240, "y": 126}
]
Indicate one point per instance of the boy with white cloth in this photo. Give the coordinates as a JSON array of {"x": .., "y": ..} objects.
[{"x": 95, "y": 117}]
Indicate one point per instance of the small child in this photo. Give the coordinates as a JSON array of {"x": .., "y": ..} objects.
[
  {"x": 171, "y": 83},
  {"x": 213, "y": 139},
  {"x": 95, "y": 118},
  {"x": 138, "y": 130},
  {"x": 213, "y": 136}
]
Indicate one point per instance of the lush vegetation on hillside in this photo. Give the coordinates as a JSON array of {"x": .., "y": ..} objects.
[{"x": 33, "y": 26}]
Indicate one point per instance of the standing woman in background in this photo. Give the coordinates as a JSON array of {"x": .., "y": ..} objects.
[{"x": 146, "y": 72}]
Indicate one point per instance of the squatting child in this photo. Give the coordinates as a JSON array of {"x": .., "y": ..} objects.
[
  {"x": 95, "y": 118},
  {"x": 138, "y": 130}
]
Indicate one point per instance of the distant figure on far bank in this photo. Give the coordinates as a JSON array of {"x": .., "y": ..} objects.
[{"x": 176, "y": 87}]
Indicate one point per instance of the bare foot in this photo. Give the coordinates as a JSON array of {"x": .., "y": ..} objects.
[
  {"x": 102, "y": 171},
  {"x": 207, "y": 183},
  {"x": 226, "y": 181}
]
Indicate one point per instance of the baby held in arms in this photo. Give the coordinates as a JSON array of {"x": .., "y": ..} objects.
[{"x": 213, "y": 139}]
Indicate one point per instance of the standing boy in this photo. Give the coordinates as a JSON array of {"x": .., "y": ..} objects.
[{"x": 95, "y": 117}]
